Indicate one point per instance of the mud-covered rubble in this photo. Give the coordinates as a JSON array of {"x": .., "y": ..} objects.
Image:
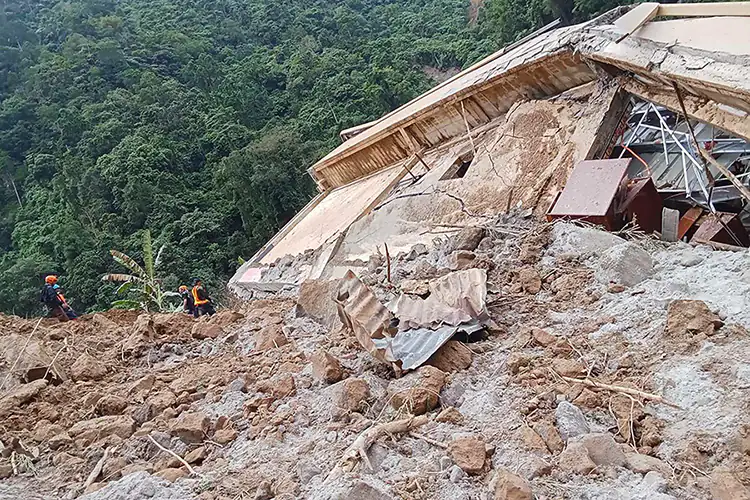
[{"x": 611, "y": 368}]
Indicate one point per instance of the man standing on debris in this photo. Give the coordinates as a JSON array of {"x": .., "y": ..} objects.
[
  {"x": 51, "y": 299},
  {"x": 202, "y": 301},
  {"x": 188, "y": 303}
]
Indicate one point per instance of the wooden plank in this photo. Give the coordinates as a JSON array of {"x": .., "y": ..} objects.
[
  {"x": 710, "y": 9},
  {"x": 670, "y": 220},
  {"x": 635, "y": 18}
]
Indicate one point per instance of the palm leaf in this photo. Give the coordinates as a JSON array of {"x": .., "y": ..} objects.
[
  {"x": 120, "y": 278},
  {"x": 148, "y": 254},
  {"x": 125, "y": 287},
  {"x": 127, "y": 261}
]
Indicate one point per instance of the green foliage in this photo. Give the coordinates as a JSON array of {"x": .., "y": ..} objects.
[
  {"x": 142, "y": 282},
  {"x": 198, "y": 120}
]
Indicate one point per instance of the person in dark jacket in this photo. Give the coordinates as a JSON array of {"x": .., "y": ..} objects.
[
  {"x": 51, "y": 299},
  {"x": 202, "y": 301},
  {"x": 188, "y": 303}
]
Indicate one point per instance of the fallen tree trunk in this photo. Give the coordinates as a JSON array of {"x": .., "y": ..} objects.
[{"x": 358, "y": 449}]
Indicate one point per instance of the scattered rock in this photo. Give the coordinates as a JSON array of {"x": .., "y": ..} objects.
[
  {"x": 575, "y": 458},
  {"x": 197, "y": 455},
  {"x": 191, "y": 427},
  {"x": 205, "y": 330},
  {"x": 532, "y": 439},
  {"x": 236, "y": 385},
  {"x": 615, "y": 288},
  {"x": 316, "y": 300},
  {"x": 550, "y": 435},
  {"x": 725, "y": 486},
  {"x": 688, "y": 318},
  {"x": 530, "y": 280},
  {"x": 468, "y": 238},
  {"x": 450, "y": 415},
  {"x": 172, "y": 474},
  {"x": 603, "y": 450},
  {"x": 143, "y": 384},
  {"x": 21, "y": 394},
  {"x": 626, "y": 263},
  {"x": 570, "y": 421},
  {"x": 468, "y": 453},
  {"x": 643, "y": 464},
  {"x": 568, "y": 367},
  {"x": 456, "y": 474},
  {"x": 452, "y": 357},
  {"x": 280, "y": 386},
  {"x": 270, "y": 337},
  {"x": 224, "y": 436},
  {"x": 45, "y": 430},
  {"x": 461, "y": 259},
  {"x": 509, "y": 486},
  {"x": 415, "y": 287},
  {"x": 162, "y": 400},
  {"x": 97, "y": 428},
  {"x": 111, "y": 405},
  {"x": 655, "y": 482},
  {"x": 112, "y": 467},
  {"x": 6, "y": 471},
  {"x": 542, "y": 337},
  {"x": 691, "y": 260},
  {"x": 264, "y": 491},
  {"x": 418, "y": 392},
  {"x": 87, "y": 367},
  {"x": 59, "y": 440},
  {"x": 351, "y": 395},
  {"x": 326, "y": 367},
  {"x": 516, "y": 361}
]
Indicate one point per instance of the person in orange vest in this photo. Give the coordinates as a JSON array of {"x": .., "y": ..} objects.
[
  {"x": 69, "y": 312},
  {"x": 202, "y": 301}
]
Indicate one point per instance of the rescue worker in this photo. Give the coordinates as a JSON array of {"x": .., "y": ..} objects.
[
  {"x": 69, "y": 312},
  {"x": 52, "y": 300},
  {"x": 188, "y": 303},
  {"x": 201, "y": 300}
]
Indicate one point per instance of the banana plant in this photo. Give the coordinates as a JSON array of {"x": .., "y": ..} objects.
[{"x": 141, "y": 281}]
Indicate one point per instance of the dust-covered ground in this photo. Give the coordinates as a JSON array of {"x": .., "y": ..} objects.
[{"x": 615, "y": 369}]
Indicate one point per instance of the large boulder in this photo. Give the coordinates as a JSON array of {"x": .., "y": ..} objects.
[
  {"x": 626, "y": 264},
  {"x": 316, "y": 300},
  {"x": 418, "y": 392},
  {"x": 270, "y": 337}
]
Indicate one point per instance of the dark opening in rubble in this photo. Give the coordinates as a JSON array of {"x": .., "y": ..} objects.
[{"x": 459, "y": 168}]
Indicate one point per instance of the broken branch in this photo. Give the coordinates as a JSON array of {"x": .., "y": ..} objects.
[
  {"x": 428, "y": 440},
  {"x": 358, "y": 449},
  {"x": 96, "y": 471},
  {"x": 175, "y": 455},
  {"x": 623, "y": 390}
]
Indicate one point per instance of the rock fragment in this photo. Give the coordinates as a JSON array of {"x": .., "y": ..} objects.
[
  {"x": 468, "y": 238},
  {"x": 450, "y": 415},
  {"x": 172, "y": 474},
  {"x": 570, "y": 421},
  {"x": 351, "y": 395},
  {"x": 191, "y": 427},
  {"x": 626, "y": 263},
  {"x": 452, "y": 357},
  {"x": 270, "y": 337},
  {"x": 468, "y": 453},
  {"x": 575, "y": 458},
  {"x": 603, "y": 450},
  {"x": 205, "y": 330},
  {"x": 326, "y": 367},
  {"x": 688, "y": 318},
  {"x": 509, "y": 486},
  {"x": 87, "y": 367},
  {"x": 418, "y": 392},
  {"x": 643, "y": 464}
]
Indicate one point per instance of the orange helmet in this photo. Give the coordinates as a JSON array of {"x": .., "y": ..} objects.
[
  {"x": 182, "y": 288},
  {"x": 51, "y": 279}
]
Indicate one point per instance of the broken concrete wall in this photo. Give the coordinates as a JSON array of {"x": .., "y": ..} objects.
[{"x": 522, "y": 159}]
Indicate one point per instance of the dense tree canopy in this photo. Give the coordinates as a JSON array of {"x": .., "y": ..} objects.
[{"x": 198, "y": 119}]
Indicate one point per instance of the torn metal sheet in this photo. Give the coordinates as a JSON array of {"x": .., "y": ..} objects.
[
  {"x": 364, "y": 315},
  {"x": 456, "y": 298},
  {"x": 414, "y": 347}
]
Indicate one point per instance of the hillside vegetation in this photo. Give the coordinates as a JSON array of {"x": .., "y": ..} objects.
[{"x": 197, "y": 119}]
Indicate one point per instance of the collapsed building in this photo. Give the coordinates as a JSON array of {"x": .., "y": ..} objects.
[{"x": 638, "y": 116}]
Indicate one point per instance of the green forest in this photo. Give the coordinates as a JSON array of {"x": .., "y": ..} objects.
[{"x": 198, "y": 119}]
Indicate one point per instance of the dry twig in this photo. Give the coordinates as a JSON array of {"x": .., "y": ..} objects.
[
  {"x": 23, "y": 349},
  {"x": 187, "y": 465},
  {"x": 358, "y": 449},
  {"x": 96, "y": 471},
  {"x": 428, "y": 440},
  {"x": 623, "y": 390}
]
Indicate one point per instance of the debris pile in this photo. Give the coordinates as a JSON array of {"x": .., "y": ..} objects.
[{"x": 528, "y": 377}]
